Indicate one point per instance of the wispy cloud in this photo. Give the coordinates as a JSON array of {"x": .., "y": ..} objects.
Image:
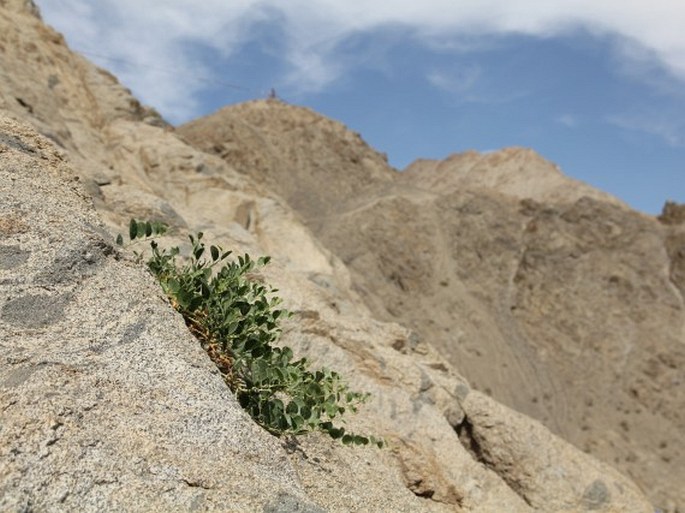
[
  {"x": 312, "y": 33},
  {"x": 568, "y": 120},
  {"x": 465, "y": 85},
  {"x": 667, "y": 128},
  {"x": 460, "y": 81}
]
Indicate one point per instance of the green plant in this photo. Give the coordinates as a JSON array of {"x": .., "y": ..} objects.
[{"x": 236, "y": 318}]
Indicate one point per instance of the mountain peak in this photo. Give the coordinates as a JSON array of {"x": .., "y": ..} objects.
[
  {"x": 514, "y": 171},
  {"x": 309, "y": 159},
  {"x": 28, "y": 6}
]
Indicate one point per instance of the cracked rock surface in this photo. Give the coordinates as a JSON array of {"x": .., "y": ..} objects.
[{"x": 107, "y": 403}]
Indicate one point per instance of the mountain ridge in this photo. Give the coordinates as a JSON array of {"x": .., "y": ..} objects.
[
  {"x": 97, "y": 418},
  {"x": 515, "y": 171},
  {"x": 493, "y": 257}
]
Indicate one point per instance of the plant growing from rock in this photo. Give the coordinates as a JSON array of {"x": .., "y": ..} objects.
[{"x": 237, "y": 318}]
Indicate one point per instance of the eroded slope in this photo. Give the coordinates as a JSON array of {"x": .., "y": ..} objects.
[{"x": 553, "y": 297}]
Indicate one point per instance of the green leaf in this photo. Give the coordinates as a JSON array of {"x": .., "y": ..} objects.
[
  {"x": 215, "y": 253},
  {"x": 337, "y": 433},
  {"x": 283, "y": 421},
  {"x": 292, "y": 408},
  {"x": 184, "y": 298},
  {"x": 132, "y": 229},
  {"x": 232, "y": 327},
  {"x": 380, "y": 443},
  {"x": 120, "y": 240},
  {"x": 331, "y": 410},
  {"x": 173, "y": 286},
  {"x": 141, "y": 229},
  {"x": 278, "y": 405},
  {"x": 296, "y": 422},
  {"x": 251, "y": 344},
  {"x": 159, "y": 228},
  {"x": 259, "y": 351}
]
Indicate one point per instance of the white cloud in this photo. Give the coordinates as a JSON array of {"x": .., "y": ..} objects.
[
  {"x": 465, "y": 85},
  {"x": 160, "y": 34},
  {"x": 459, "y": 81},
  {"x": 568, "y": 120},
  {"x": 667, "y": 128}
]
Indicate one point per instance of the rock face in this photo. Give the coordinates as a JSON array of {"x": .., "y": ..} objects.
[
  {"x": 673, "y": 216},
  {"x": 107, "y": 401},
  {"x": 553, "y": 297}
]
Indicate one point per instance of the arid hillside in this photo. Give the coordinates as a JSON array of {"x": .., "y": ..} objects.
[
  {"x": 553, "y": 297},
  {"x": 109, "y": 404}
]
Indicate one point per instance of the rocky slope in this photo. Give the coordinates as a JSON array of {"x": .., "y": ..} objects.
[
  {"x": 517, "y": 172},
  {"x": 108, "y": 404},
  {"x": 553, "y": 297}
]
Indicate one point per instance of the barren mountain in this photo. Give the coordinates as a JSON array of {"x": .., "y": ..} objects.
[
  {"x": 109, "y": 404},
  {"x": 553, "y": 297},
  {"x": 517, "y": 172},
  {"x": 273, "y": 142}
]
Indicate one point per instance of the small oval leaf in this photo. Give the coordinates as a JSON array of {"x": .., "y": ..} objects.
[{"x": 132, "y": 229}]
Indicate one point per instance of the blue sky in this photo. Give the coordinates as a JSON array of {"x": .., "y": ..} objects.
[{"x": 598, "y": 87}]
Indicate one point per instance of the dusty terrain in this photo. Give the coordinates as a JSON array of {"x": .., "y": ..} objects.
[
  {"x": 553, "y": 297},
  {"x": 568, "y": 309}
]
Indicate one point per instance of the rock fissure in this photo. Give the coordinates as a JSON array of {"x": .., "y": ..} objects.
[
  {"x": 464, "y": 431},
  {"x": 469, "y": 440},
  {"x": 197, "y": 483}
]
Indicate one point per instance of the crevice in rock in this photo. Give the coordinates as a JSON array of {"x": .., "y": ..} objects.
[
  {"x": 464, "y": 432},
  {"x": 14, "y": 142},
  {"x": 417, "y": 489},
  {"x": 468, "y": 439},
  {"x": 196, "y": 484},
  {"x": 421, "y": 490},
  {"x": 25, "y": 104}
]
